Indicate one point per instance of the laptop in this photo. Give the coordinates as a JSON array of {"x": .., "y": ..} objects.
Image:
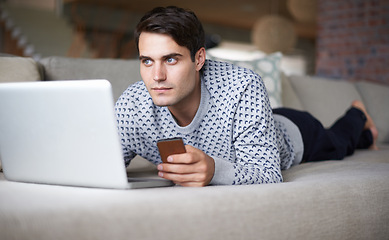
[{"x": 63, "y": 133}]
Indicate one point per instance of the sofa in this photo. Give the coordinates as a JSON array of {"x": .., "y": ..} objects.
[{"x": 347, "y": 199}]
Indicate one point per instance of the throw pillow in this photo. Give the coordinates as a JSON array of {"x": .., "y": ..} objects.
[
  {"x": 19, "y": 69},
  {"x": 267, "y": 66}
]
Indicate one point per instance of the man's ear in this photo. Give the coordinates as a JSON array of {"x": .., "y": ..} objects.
[{"x": 200, "y": 58}]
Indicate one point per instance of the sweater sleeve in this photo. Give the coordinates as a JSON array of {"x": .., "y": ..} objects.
[{"x": 257, "y": 157}]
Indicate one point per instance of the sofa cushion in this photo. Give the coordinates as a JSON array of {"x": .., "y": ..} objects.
[
  {"x": 267, "y": 66},
  {"x": 323, "y": 200},
  {"x": 289, "y": 96},
  {"x": 141, "y": 165},
  {"x": 19, "y": 69},
  {"x": 121, "y": 73},
  {"x": 326, "y": 99},
  {"x": 376, "y": 98}
]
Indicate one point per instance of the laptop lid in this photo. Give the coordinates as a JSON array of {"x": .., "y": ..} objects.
[{"x": 61, "y": 132}]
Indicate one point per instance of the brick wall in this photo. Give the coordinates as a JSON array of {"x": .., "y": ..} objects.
[{"x": 353, "y": 40}]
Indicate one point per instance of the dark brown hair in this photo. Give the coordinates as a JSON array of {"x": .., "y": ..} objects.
[{"x": 180, "y": 24}]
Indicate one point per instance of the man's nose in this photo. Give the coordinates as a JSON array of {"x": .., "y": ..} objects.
[{"x": 159, "y": 72}]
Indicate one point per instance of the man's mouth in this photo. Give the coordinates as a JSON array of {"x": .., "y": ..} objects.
[{"x": 161, "y": 89}]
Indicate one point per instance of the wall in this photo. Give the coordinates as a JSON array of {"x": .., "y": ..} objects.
[{"x": 353, "y": 40}]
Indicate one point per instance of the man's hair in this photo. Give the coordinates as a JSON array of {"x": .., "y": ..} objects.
[{"x": 180, "y": 24}]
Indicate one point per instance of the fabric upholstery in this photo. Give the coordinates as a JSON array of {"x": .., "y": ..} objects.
[
  {"x": 324, "y": 200},
  {"x": 326, "y": 99},
  {"x": 289, "y": 96},
  {"x": 121, "y": 73},
  {"x": 376, "y": 99},
  {"x": 19, "y": 69}
]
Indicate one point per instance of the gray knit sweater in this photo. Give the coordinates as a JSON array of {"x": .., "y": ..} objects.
[{"x": 234, "y": 125}]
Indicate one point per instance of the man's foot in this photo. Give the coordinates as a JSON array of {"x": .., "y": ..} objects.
[{"x": 369, "y": 123}]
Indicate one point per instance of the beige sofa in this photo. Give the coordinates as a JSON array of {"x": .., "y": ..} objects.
[{"x": 346, "y": 199}]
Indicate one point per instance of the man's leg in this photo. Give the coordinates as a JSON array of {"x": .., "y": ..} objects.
[
  {"x": 352, "y": 133},
  {"x": 318, "y": 141},
  {"x": 349, "y": 132},
  {"x": 366, "y": 140},
  {"x": 370, "y": 133}
]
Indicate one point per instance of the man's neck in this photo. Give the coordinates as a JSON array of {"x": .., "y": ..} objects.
[{"x": 185, "y": 112}]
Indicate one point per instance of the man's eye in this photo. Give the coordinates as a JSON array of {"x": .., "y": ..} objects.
[
  {"x": 147, "y": 62},
  {"x": 171, "y": 60}
]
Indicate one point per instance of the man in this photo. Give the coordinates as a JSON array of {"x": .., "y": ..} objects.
[{"x": 221, "y": 111}]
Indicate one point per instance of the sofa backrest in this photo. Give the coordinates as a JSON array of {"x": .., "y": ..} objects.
[
  {"x": 121, "y": 73},
  {"x": 328, "y": 99},
  {"x": 376, "y": 98},
  {"x": 325, "y": 99}
]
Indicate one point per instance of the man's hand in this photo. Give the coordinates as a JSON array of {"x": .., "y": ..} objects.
[{"x": 193, "y": 168}]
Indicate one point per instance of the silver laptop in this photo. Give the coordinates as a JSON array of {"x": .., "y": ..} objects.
[{"x": 63, "y": 133}]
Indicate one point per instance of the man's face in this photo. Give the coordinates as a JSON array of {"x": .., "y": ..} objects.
[{"x": 168, "y": 72}]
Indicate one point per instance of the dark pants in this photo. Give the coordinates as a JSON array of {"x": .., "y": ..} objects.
[{"x": 334, "y": 143}]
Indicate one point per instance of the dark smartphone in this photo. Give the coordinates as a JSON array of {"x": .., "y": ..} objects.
[{"x": 169, "y": 147}]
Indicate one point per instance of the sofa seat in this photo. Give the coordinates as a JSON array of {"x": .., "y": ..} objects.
[{"x": 345, "y": 199}]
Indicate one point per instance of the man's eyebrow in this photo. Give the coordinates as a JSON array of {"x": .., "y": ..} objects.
[
  {"x": 141, "y": 57},
  {"x": 170, "y": 55}
]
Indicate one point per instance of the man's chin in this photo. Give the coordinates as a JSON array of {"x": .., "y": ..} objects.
[{"x": 162, "y": 103}]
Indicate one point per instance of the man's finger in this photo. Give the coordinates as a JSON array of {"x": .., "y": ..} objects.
[
  {"x": 183, "y": 158},
  {"x": 183, "y": 168},
  {"x": 183, "y": 178},
  {"x": 177, "y": 168}
]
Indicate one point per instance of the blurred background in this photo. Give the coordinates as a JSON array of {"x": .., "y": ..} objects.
[{"x": 346, "y": 39}]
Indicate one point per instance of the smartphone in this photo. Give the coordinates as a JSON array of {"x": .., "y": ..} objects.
[{"x": 169, "y": 147}]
